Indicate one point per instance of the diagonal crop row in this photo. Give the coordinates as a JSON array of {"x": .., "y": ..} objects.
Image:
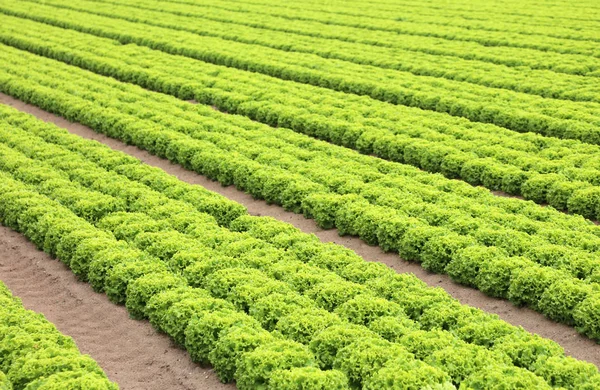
[
  {"x": 175, "y": 306},
  {"x": 358, "y": 170},
  {"x": 84, "y": 87},
  {"x": 513, "y": 110},
  {"x": 345, "y": 168},
  {"x": 220, "y": 24},
  {"x": 223, "y": 285},
  {"x": 292, "y": 288},
  {"x": 539, "y": 14},
  {"x": 454, "y": 33},
  {"x": 561, "y": 173},
  {"x": 478, "y": 19},
  {"x": 35, "y": 355},
  {"x": 327, "y": 22},
  {"x": 87, "y": 87},
  {"x": 271, "y": 17},
  {"x": 439, "y": 239}
]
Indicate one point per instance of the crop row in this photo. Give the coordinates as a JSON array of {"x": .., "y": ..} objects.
[
  {"x": 86, "y": 87},
  {"x": 432, "y": 252},
  {"x": 35, "y": 355},
  {"x": 177, "y": 306},
  {"x": 419, "y": 220},
  {"x": 261, "y": 297},
  {"x": 199, "y": 122},
  {"x": 542, "y": 43},
  {"x": 561, "y": 173},
  {"x": 327, "y": 26},
  {"x": 472, "y": 18},
  {"x": 232, "y": 26},
  {"x": 513, "y": 110}
]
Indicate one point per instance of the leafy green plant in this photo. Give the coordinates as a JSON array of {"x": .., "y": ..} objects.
[
  {"x": 363, "y": 358},
  {"x": 299, "y": 378},
  {"x": 256, "y": 367}
]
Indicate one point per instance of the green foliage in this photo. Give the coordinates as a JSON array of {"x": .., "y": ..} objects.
[
  {"x": 232, "y": 344},
  {"x": 119, "y": 277},
  {"x": 4, "y": 382},
  {"x": 178, "y": 315},
  {"x": 140, "y": 291},
  {"x": 587, "y": 316},
  {"x": 331, "y": 295},
  {"x": 302, "y": 324},
  {"x": 269, "y": 309},
  {"x": 528, "y": 284},
  {"x": 585, "y": 202},
  {"x": 464, "y": 268},
  {"x": 300, "y": 378},
  {"x": 361, "y": 271},
  {"x": 326, "y": 344},
  {"x": 79, "y": 380},
  {"x": 84, "y": 254},
  {"x": 391, "y": 229},
  {"x": 256, "y": 367},
  {"x": 204, "y": 330},
  {"x": 160, "y": 303},
  {"x": 288, "y": 281},
  {"x": 536, "y": 188},
  {"x": 365, "y": 308},
  {"x": 565, "y": 371},
  {"x": 504, "y": 377},
  {"x": 105, "y": 260},
  {"x": 47, "y": 362},
  {"x": 392, "y": 328},
  {"x": 440, "y": 250},
  {"x": 485, "y": 331},
  {"x": 461, "y": 361},
  {"x": 525, "y": 349},
  {"x": 428, "y": 297},
  {"x": 560, "y": 299},
  {"x": 423, "y": 343},
  {"x": 447, "y": 315},
  {"x": 405, "y": 373},
  {"x": 494, "y": 277},
  {"x": 363, "y": 358},
  {"x": 200, "y": 266},
  {"x": 390, "y": 284},
  {"x": 414, "y": 240}
]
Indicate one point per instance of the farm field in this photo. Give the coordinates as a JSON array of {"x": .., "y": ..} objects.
[{"x": 340, "y": 195}]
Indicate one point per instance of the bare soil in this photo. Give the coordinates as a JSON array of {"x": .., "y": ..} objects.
[{"x": 574, "y": 344}]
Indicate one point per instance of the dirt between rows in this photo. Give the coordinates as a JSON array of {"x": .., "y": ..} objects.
[{"x": 574, "y": 344}]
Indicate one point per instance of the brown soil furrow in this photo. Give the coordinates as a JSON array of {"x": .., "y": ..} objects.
[
  {"x": 131, "y": 352},
  {"x": 574, "y": 344}
]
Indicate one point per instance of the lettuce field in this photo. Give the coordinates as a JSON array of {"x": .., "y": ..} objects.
[{"x": 186, "y": 160}]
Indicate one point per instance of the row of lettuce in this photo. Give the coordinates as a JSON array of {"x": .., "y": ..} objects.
[
  {"x": 543, "y": 14},
  {"x": 505, "y": 247},
  {"x": 527, "y": 43},
  {"x": 34, "y": 355},
  {"x": 540, "y": 20},
  {"x": 242, "y": 27},
  {"x": 561, "y": 173},
  {"x": 405, "y": 19},
  {"x": 513, "y": 110},
  {"x": 266, "y": 305},
  {"x": 274, "y": 13}
]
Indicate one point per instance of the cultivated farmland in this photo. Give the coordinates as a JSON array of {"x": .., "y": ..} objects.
[{"x": 342, "y": 195}]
